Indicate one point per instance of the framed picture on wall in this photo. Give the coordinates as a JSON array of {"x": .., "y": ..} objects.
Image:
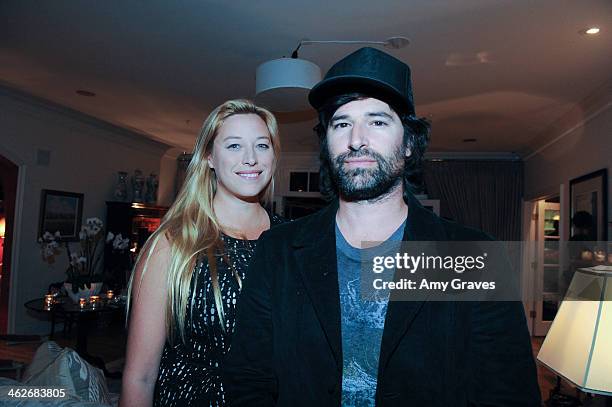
[
  {"x": 589, "y": 206},
  {"x": 61, "y": 211}
]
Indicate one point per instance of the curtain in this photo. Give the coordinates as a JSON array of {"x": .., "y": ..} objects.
[{"x": 486, "y": 195}]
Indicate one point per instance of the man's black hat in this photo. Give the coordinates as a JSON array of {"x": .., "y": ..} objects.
[{"x": 369, "y": 71}]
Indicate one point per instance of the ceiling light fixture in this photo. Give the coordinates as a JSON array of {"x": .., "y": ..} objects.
[
  {"x": 391, "y": 42},
  {"x": 590, "y": 31},
  {"x": 282, "y": 85}
]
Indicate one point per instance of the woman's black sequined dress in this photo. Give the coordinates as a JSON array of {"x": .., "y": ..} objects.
[{"x": 189, "y": 372}]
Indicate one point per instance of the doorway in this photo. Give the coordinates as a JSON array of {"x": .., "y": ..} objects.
[
  {"x": 8, "y": 193},
  {"x": 544, "y": 253}
]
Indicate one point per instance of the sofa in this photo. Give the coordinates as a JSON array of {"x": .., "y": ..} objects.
[{"x": 54, "y": 367}]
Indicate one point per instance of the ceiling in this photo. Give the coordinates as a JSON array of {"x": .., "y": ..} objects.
[{"x": 504, "y": 72}]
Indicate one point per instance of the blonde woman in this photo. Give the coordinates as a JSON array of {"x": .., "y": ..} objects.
[{"x": 188, "y": 277}]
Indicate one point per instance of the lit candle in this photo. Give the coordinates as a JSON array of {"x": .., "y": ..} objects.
[
  {"x": 48, "y": 300},
  {"x": 586, "y": 255},
  {"x": 94, "y": 300},
  {"x": 110, "y": 294},
  {"x": 82, "y": 302}
]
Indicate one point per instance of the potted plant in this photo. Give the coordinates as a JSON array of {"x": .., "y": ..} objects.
[{"x": 82, "y": 278}]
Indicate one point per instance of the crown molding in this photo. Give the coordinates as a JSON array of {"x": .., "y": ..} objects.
[
  {"x": 37, "y": 107},
  {"x": 472, "y": 156},
  {"x": 578, "y": 116}
]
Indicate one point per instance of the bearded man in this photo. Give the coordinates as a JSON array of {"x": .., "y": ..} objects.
[{"x": 304, "y": 338}]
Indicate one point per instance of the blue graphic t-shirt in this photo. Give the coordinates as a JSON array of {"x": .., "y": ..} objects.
[{"x": 362, "y": 323}]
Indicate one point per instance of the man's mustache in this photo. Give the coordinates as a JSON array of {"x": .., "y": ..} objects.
[{"x": 358, "y": 154}]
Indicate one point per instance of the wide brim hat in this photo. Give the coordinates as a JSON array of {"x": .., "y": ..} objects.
[{"x": 371, "y": 72}]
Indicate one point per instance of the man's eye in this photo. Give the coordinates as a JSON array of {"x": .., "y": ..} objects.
[
  {"x": 379, "y": 123},
  {"x": 233, "y": 146},
  {"x": 340, "y": 125}
]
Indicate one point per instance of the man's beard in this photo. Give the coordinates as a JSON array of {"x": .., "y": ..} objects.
[{"x": 367, "y": 184}]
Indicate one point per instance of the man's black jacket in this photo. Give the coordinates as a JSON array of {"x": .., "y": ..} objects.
[{"x": 286, "y": 349}]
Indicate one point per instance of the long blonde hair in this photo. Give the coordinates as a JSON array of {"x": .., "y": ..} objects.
[{"x": 191, "y": 226}]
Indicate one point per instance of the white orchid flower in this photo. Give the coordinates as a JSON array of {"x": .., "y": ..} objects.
[
  {"x": 94, "y": 222},
  {"x": 125, "y": 244}
]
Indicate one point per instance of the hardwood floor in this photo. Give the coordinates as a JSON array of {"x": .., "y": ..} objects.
[{"x": 546, "y": 379}]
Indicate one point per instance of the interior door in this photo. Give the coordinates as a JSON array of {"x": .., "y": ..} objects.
[
  {"x": 8, "y": 193},
  {"x": 547, "y": 265}
]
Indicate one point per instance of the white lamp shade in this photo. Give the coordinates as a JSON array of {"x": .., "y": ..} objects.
[
  {"x": 578, "y": 346},
  {"x": 282, "y": 85}
]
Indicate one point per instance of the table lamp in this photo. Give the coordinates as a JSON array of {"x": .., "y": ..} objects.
[{"x": 578, "y": 346}]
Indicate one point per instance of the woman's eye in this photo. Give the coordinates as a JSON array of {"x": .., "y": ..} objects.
[
  {"x": 233, "y": 146},
  {"x": 263, "y": 146}
]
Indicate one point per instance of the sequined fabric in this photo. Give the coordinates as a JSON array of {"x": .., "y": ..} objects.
[{"x": 189, "y": 372}]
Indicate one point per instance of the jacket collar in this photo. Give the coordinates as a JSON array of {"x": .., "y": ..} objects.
[
  {"x": 319, "y": 225},
  {"x": 421, "y": 224}
]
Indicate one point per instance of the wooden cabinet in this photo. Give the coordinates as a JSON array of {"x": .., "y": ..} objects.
[{"x": 136, "y": 221}]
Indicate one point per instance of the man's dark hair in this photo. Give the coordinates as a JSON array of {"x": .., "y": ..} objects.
[{"x": 416, "y": 136}]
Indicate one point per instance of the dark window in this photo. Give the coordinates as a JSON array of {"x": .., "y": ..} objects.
[
  {"x": 298, "y": 181},
  {"x": 313, "y": 181}
]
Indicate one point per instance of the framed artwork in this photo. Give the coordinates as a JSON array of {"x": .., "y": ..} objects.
[
  {"x": 589, "y": 206},
  {"x": 61, "y": 211}
]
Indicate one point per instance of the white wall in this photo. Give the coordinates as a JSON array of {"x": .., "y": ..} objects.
[
  {"x": 584, "y": 149},
  {"x": 85, "y": 155},
  {"x": 167, "y": 177}
]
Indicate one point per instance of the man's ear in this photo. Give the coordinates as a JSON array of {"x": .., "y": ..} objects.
[{"x": 408, "y": 152}]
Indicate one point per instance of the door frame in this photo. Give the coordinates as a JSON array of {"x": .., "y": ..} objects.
[
  {"x": 540, "y": 326},
  {"x": 532, "y": 287},
  {"x": 528, "y": 275},
  {"x": 15, "y": 234}
]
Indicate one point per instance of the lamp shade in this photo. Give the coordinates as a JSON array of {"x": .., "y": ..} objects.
[
  {"x": 282, "y": 85},
  {"x": 578, "y": 346}
]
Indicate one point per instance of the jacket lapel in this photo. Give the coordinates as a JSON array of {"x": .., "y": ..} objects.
[
  {"x": 315, "y": 251},
  {"x": 421, "y": 225}
]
